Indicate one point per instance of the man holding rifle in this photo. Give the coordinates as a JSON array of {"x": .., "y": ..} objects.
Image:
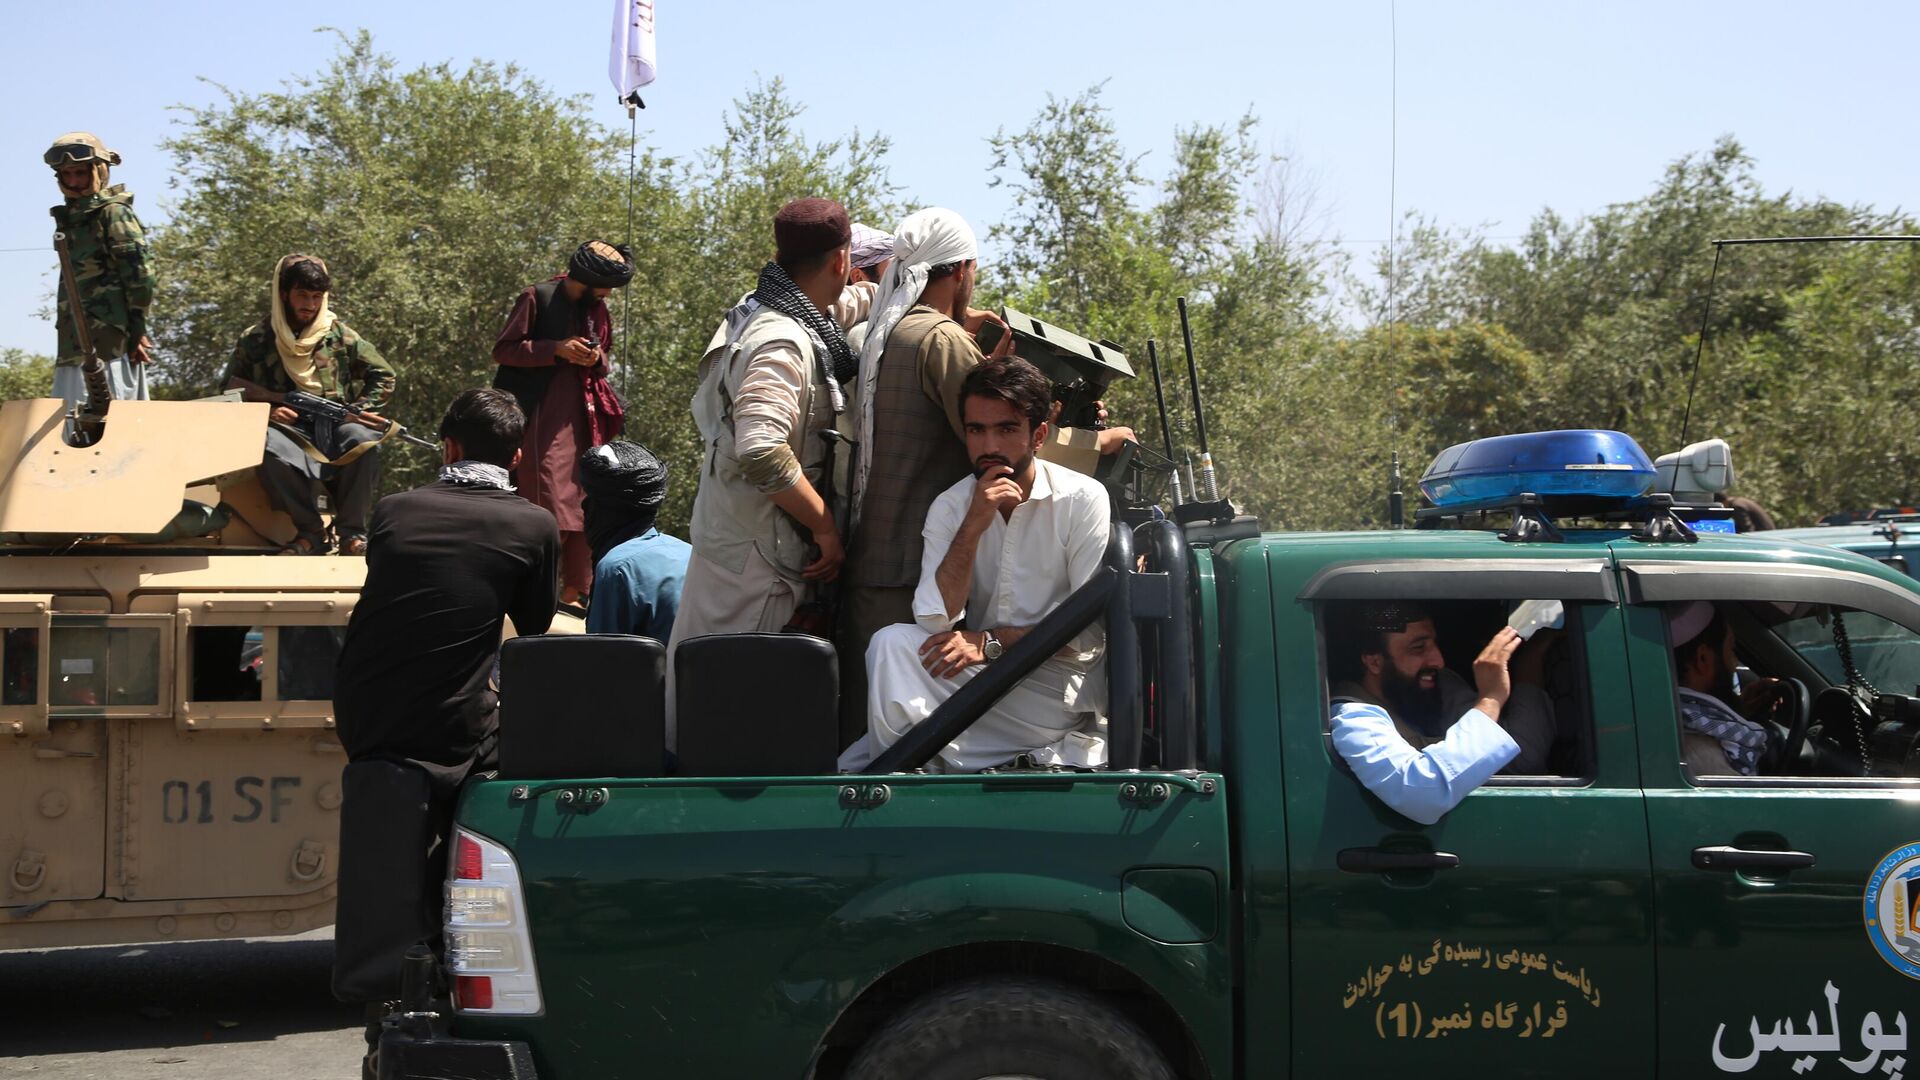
[{"x": 302, "y": 349}]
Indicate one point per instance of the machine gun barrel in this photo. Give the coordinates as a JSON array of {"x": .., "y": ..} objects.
[{"x": 93, "y": 369}]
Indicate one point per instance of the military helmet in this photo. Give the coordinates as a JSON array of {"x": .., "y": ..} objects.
[{"x": 79, "y": 148}]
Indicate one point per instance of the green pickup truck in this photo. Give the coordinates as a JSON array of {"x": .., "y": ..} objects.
[{"x": 1226, "y": 900}]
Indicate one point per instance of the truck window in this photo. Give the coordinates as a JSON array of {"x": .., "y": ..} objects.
[
  {"x": 1549, "y": 674},
  {"x": 226, "y": 663},
  {"x": 307, "y": 658},
  {"x": 1815, "y": 691},
  {"x": 105, "y": 665},
  {"x": 20, "y": 666}
]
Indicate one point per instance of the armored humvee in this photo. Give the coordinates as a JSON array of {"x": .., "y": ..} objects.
[{"x": 168, "y": 762}]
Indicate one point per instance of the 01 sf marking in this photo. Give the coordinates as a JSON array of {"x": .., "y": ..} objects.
[{"x": 185, "y": 803}]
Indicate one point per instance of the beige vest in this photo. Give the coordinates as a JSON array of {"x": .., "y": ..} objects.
[{"x": 733, "y": 521}]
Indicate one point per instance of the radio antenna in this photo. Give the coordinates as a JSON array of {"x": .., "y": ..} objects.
[
  {"x": 1209, "y": 485},
  {"x": 1166, "y": 431},
  {"x": 1396, "y": 498},
  {"x": 1706, "y": 309}
]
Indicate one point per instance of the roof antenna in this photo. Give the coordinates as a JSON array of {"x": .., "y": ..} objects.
[
  {"x": 1209, "y": 519},
  {"x": 1166, "y": 432},
  {"x": 1396, "y": 498},
  {"x": 1209, "y": 489}
]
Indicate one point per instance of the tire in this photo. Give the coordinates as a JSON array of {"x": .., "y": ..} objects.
[{"x": 1031, "y": 1029}]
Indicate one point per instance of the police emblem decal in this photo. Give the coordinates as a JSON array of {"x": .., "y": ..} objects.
[{"x": 1893, "y": 909}]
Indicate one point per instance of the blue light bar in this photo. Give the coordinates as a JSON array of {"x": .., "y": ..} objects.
[
  {"x": 1587, "y": 464},
  {"x": 1713, "y": 525}
]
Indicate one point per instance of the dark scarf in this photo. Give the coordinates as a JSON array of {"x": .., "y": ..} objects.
[
  {"x": 624, "y": 485},
  {"x": 777, "y": 291}
]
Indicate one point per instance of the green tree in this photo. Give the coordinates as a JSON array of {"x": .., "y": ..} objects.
[
  {"x": 434, "y": 196},
  {"x": 24, "y": 375}
]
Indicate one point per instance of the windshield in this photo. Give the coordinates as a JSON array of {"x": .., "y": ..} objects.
[{"x": 1887, "y": 653}]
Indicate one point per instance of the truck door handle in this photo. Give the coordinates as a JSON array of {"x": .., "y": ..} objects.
[
  {"x": 1733, "y": 858},
  {"x": 1367, "y": 860}
]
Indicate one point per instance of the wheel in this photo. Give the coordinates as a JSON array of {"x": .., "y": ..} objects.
[{"x": 1007, "y": 1028}]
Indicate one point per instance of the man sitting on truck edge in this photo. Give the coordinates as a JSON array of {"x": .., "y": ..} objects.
[
  {"x": 301, "y": 346},
  {"x": 1414, "y": 733},
  {"x": 446, "y": 565},
  {"x": 1002, "y": 549}
]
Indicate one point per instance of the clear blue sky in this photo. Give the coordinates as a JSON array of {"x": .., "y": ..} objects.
[{"x": 1504, "y": 108}]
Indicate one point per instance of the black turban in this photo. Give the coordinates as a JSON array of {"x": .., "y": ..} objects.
[
  {"x": 624, "y": 485},
  {"x": 593, "y": 267}
]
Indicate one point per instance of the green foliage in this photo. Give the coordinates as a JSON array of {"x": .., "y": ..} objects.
[
  {"x": 24, "y": 375},
  {"x": 437, "y": 194}
]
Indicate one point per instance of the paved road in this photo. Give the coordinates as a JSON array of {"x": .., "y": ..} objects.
[{"x": 213, "y": 1010}]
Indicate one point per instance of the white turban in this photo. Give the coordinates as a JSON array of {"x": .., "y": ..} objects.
[
  {"x": 1686, "y": 622},
  {"x": 923, "y": 240},
  {"x": 871, "y": 247}
]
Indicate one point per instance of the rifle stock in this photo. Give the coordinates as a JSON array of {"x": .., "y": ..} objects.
[{"x": 92, "y": 416}]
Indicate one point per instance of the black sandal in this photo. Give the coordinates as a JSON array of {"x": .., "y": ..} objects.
[{"x": 304, "y": 545}]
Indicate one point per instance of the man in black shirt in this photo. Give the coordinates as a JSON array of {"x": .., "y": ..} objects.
[{"x": 446, "y": 564}]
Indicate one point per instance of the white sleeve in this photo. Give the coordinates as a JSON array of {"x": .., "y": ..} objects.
[
  {"x": 854, "y": 304},
  {"x": 767, "y": 404},
  {"x": 929, "y": 607},
  {"x": 1089, "y": 529}
]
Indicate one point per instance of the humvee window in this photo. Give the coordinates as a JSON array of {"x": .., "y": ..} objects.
[
  {"x": 20, "y": 666},
  {"x": 307, "y": 657},
  {"x": 1550, "y": 671},
  {"x": 226, "y": 663},
  {"x": 105, "y": 665}
]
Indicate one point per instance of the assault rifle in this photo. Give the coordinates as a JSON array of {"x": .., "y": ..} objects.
[
  {"x": 92, "y": 414},
  {"x": 328, "y": 414}
]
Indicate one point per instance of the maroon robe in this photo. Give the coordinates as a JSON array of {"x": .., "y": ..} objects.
[{"x": 577, "y": 412}]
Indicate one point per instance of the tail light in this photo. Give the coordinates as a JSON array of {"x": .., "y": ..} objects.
[{"x": 489, "y": 948}]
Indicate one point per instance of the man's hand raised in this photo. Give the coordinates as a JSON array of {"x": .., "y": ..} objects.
[
  {"x": 1490, "y": 675},
  {"x": 996, "y": 491}
]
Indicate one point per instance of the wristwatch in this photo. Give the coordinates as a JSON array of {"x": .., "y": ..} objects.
[{"x": 992, "y": 647}]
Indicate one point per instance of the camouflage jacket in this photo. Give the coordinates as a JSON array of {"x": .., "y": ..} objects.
[
  {"x": 111, "y": 267},
  {"x": 349, "y": 367}
]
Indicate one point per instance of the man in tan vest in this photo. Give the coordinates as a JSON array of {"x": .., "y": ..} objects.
[{"x": 774, "y": 377}]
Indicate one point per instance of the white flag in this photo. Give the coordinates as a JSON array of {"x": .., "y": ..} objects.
[{"x": 632, "y": 64}]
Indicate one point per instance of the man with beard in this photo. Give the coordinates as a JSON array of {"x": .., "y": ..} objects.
[
  {"x": 111, "y": 269},
  {"x": 638, "y": 571},
  {"x": 773, "y": 378},
  {"x": 301, "y": 346},
  {"x": 1414, "y": 732},
  {"x": 1715, "y": 740},
  {"x": 553, "y": 360},
  {"x": 918, "y": 349},
  {"x": 1003, "y": 548}
]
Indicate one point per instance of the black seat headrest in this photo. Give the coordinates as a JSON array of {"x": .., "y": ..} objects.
[
  {"x": 756, "y": 705},
  {"x": 582, "y": 705}
]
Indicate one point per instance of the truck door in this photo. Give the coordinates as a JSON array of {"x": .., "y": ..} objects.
[
  {"x": 1786, "y": 899},
  {"x": 1513, "y": 937},
  {"x": 53, "y": 774}
]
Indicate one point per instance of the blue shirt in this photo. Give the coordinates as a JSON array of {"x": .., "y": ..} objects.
[
  {"x": 636, "y": 587},
  {"x": 1420, "y": 784}
]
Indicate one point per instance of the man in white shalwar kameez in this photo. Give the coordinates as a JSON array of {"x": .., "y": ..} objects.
[{"x": 1002, "y": 550}]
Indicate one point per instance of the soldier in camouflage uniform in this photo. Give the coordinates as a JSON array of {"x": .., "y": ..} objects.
[
  {"x": 301, "y": 346},
  {"x": 110, "y": 265}
]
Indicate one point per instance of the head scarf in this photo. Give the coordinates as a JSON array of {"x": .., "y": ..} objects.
[
  {"x": 1686, "y": 622},
  {"x": 871, "y": 247},
  {"x": 600, "y": 265},
  {"x": 624, "y": 486},
  {"x": 923, "y": 240},
  {"x": 296, "y": 351}
]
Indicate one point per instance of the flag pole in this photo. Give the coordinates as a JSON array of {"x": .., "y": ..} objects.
[{"x": 634, "y": 105}]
